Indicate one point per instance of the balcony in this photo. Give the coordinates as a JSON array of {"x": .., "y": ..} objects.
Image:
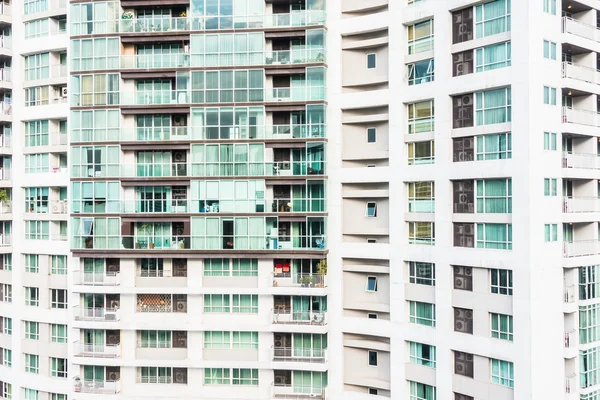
[
  {"x": 570, "y": 294},
  {"x": 58, "y": 139},
  {"x": 97, "y": 279},
  {"x": 580, "y": 117},
  {"x": 283, "y": 316},
  {"x": 581, "y": 248},
  {"x": 307, "y": 355},
  {"x": 93, "y": 386},
  {"x": 5, "y": 9},
  {"x": 581, "y": 204},
  {"x": 298, "y": 392},
  {"x": 97, "y": 350},
  {"x": 581, "y": 29},
  {"x": 571, "y": 384},
  {"x": 5, "y": 108},
  {"x": 299, "y": 280},
  {"x": 5, "y": 42},
  {"x": 5, "y": 73},
  {"x": 5, "y": 240},
  {"x": 581, "y": 160},
  {"x": 100, "y": 314},
  {"x": 580, "y": 73}
]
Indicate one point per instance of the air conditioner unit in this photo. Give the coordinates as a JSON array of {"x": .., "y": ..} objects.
[
  {"x": 180, "y": 303},
  {"x": 113, "y": 376},
  {"x": 463, "y": 363},
  {"x": 182, "y": 342},
  {"x": 114, "y": 304},
  {"x": 179, "y": 120},
  {"x": 463, "y": 320},
  {"x": 468, "y": 143},
  {"x": 467, "y": 100},
  {"x": 279, "y": 380},
  {"x": 63, "y": 91},
  {"x": 459, "y": 282},
  {"x": 57, "y": 207},
  {"x": 113, "y": 338},
  {"x": 179, "y": 156},
  {"x": 180, "y": 375}
]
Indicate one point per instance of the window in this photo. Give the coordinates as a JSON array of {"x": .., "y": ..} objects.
[
  {"x": 549, "y": 95},
  {"x": 494, "y": 196},
  {"x": 37, "y": 163},
  {"x": 103, "y": 89},
  {"x": 502, "y": 326},
  {"x": 371, "y": 284},
  {"x": 372, "y": 391},
  {"x": 155, "y": 339},
  {"x": 501, "y": 281},
  {"x": 371, "y": 135},
  {"x": 550, "y": 187},
  {"x": 35, "y": 6},
  {"x": 371, "y": 61},
  {"x": 421, "y": 233},
  {"x": 56, "y": 396},
  {"x": 37, "y": 230},
  {"x": 245, "y": 376},
  {"x": 31, "y": 394},
  {"x": 589, "y": 282},
  {"x": 421, "y": 391},
  {"x": 493, "y": 106},
  {"x": 421, "y": 153},
  {"x": 550, "y": 141},
  {"x": 37, "y": 133},
  {"x": 7, "y": 358},
  {"x": 550, "y": 6},
  {"x": 6, "y": 390},
  {"x": 58, "y": 265},
  {"x": 460, "y": 396},
  {"x": 58, "y": 333},
  {"x": 589, "y": 369},
  {"x": 245, "y": 303},
  {"x": 422, "y": 313},
  {"x": 6, "y": 263},
  {"x": 217, "y": 340},
  {"x": 492, "y": 18},
  {"x": 32, "y": 363},
  {"x": 503, "y": 373},
  {"x": 36, "y": 96},
  {"x": 219, "y": 303},
  {"x": 32, "y": 296},
  {"x": 589, "y": 323},
  {"x": 58, "y": 367},
  {"x": 36, "y": 200},
  {"x": 217, "y": 376},
  {"x": 420, "y": 37},
  {"x": 493, "y": 57},
  {"x": 421, "y": 117},
  {"x": 245, "y": 340},
  {"x": 421, "y": 197},
  {"x": 151, "y": 267},
  {"x": 494, "y": 236},
  {"x": 421, "y": 273},
  {"x": 6, "y": 324},
  {"x": 550, "y": 232},
  {"x": 371, "y": 210},
  {"x": 6, "y": 292},
  {"x": 36, "y": 28},
  {"x": 422, "y": 354},
  {"x": 59, "y": 298},
  {"x": 549, "y": 50},
  {"x": 155, "y": 375},
  {"x": 372, "y": 358},
  {"x": 372, "y": 316},
  {"x": 31, "y": 263},
  {"x": 32, "y": 330},
  {"x": 420, "y": 72},
  {"x": 494, "y": 147},
  {"x": 37, "y": 66}
]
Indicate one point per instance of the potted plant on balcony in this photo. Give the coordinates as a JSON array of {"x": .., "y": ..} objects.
[
  {"x": 4, "y": 200},
  {"x": 127, "y": 23},
  {"x": 322, "y": 271},
  {"x": 146, "y": 229}
]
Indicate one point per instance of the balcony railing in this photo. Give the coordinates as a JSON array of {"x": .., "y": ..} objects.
[
  {"x": 298, "y": 392},
  {"x": 578, "y": 28},
  {"x": 295, "y": 354},
  {"x": 5, "y": 239},
  {"x": 5, "y": 141},
  {"x": 580, "y": 73},
  {"x": 5, "y": 108},
  {"x": 571, "y": 339},
  {"x": 581, "y": 248},
  {"x": 281, "y": 316},
  {"x": 5, "y": 42},
  {"x": 580, "y": 117},
  {"x": 571, "y": 384},
  {"x": 94, "y": 386},
  {"x": 58, "y": 138},
  {"x": 421, "y": 205},
  {"x": 288, "y": 279},
  {"x": 158, "y": 308},
  {"x": 96, "y": 314},
  {"x": 581, "y": 204},
  {"x": 97, "y": 279},
  {"x": 570, "y": 294},
  {"x": 97, "y": 350},
  {"x": 290, "y": 131},
  {"x": 581, "y": 160},
  {"x": 185, "y": 206},
  {"x": 201, "y": 23},
  {"x": 216, "y": 242},
  {"x": 5, "y": 73},
  {"x": 5, "y": 9}
]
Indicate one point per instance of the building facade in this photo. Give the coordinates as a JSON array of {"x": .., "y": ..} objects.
[{"x": 299, "y": 199}]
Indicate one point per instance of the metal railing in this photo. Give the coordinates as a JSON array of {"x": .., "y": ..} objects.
[
  {"x": 5, "y": 74},
  {"x": 5, "y": 9},
  {"x": 154, "y": 344},
  {"x": 578, "y": 28},
  {"x": 94, "y": 386},
  {"x": 5, "y": 42},
  {"x": 5, "y": 240},
  {"x": 580, "y": 73},
  {"x": 298, "y": 279},
  {"x": 97, "y": 350},
  {"x": 311, "y": 355},
  {"x": 289, "y": 391},
  {"x": 97, "y": 279},
  {"x": 287, "y": 316},
  {"x": 96, "y": 314}
]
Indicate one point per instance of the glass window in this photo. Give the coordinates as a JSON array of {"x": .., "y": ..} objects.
[
  {"x": 494, "y": 236},
  {"x": 58, "y": 367},
  {"x": 217, "y": 376},
  {"x": 32, "y": 363},
  {"x": 502, "y": 326},
  {"x": 493, "y": 57},
  {"x": 589, "y": 370},
  {"x": 420, "y": 72},
  {"x": 32, "y": 330},
  {"x": 245, "y": 340},
  {"x": 371, "y": 61},
  {"x": 550, "y": 232},
  {"x": 550, "y": 6},
  {"x": 421, "y": 153},
  {"x": 493, "y": 106},
  {"x": 31, "y": 263},
  {"x": 6, "y": 358},
  {"x": 421, "y": 197},
  {"x": 549, "y": 95},
  {"x": 6, "y": 325},
  {"x": 502, "y": 373},
  {"x": 421, "y": 117},
  {"x": 492, "y": 18},
  {"x": 6, "y": 292},
  {"x": 422, "y": 354},
  {"x": 371, "y": 210},
  {"x": 421, "y": 391},
  {"x": 245, "y": 303},
  {"x": 501, "y": 281},
  {"x": 549, "y": 50},
  {"x": 245, "y": 376},
  {"x": 420, "y": 37},
  {"x": 371, "y": 284},
  {"x": 35, "y": 6},
  {"x": 58, "y": 333},
  {"x": 37, "y": 28},
  {"x": 37, "y": 66},
  {"x": 156, "y": 339},
  {"x": 155, "y": 375},
  {"x": 219, "y": 303},
  {"x": 494, "y": 196},
  {"x": 589, "y": 323},
  {"x": 421, "y": 233},
  {"x": 589, "y": 282},
  {"x": 36, "y": 200},
  {"x": 32, "y": 296},
  {"x": 550, "y": 187},
  {"x": 58, "y": 265},
  {"x": 37, "y": 230},
  {"x": 217, "y": 340},
  {"x": 422, "y": 273},
  {"x": 36, "y": 133},
  {"x": 56, "y": 396},
  {"x": 59, "y": 298},
  {"x": 372, "y": 356},
  {"x": 37, "y": 163},
  {"x": 422, "y": 313},
  {"x": 371, "y": 135},
  {"x": 36, "y": 96},
  {"x": 494, "y": 147},
  {"x": 31, "y": 394},
  {"x": 550, "y": 140}
]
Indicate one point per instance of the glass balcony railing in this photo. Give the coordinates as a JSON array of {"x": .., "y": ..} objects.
[
  {"x": 201, "y": 23},
  {"x": 184, "y": 133},
  {"x": 314, "y": 242},
  {"x": 96, "y": 350},
  {"x": 286, "y": 316},
  {"x": 96, "y": 314},
  {"x": 299, "y": 354}
]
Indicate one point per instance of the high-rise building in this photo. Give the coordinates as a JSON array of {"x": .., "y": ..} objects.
[{"x": 300, "y": 199}]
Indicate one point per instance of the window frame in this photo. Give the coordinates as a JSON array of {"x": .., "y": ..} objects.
[
  {"x": 413, "y": 275},
  {"x": 498, "y": 379},
  {"x": 372, "y": 358},
  {"x": 371, "y": 134},
  {"x": 57, "y": 372},
  {"x": 500, "y": 283},
  {"x": 371, "y": 59},
  {"x": 496, "y": 331},
  {"x": 371, "y": 288},
  {"x": 371, "y": 209},
  {"x": 32, "y": 363}
]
